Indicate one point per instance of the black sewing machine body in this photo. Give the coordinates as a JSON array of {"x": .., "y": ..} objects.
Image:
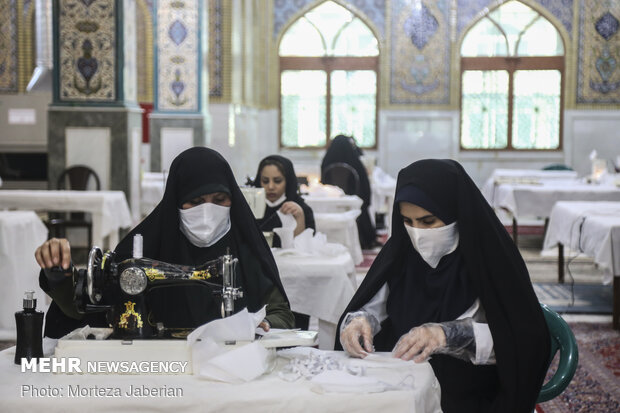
[{"x": 121, "y": 289}]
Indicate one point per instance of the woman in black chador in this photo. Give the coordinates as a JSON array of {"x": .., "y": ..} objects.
[
  {"x": 202, "y": 215},
  {"x": 343, "y": 149},
  {"x": 451, "y": 283},
  {"x": 277, "y": 176}
]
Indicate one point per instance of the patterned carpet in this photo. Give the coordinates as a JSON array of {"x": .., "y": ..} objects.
[{"x": 595, "y": 388}]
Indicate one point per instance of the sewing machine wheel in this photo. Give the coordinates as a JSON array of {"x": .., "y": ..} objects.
[{"x": 94, "y": 262}]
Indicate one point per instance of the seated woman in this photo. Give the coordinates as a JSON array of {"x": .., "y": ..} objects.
[
  {"x": 201, "y": 215},
  {"x": 451, "y": 283},
  {"x": 343, "y": 149},
  {"x": 277, "y": 175}
]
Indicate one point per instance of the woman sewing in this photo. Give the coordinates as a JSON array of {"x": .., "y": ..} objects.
[
  {"x": 450, "y": 284},
  {"x": 201, "y": 216},
  {"x": 277, "y": 176}
]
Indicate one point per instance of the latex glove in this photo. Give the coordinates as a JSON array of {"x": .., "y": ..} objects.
[
  {"x": 419, "y": 343},
  {"x": 357, "y": 330}
]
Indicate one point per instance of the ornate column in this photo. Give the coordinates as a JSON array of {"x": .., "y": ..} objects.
[
  {"x": 94, "y": 119},
  {"x": 179, "y": 119}
]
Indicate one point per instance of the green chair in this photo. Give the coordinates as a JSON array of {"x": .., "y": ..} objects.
[
  {"x": 557, "y": 167},
  {"x": 562, "y": 339}
]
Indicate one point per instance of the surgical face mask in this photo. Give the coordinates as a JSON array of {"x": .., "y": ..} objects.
[
  {"x": 277, "y": 202},
  {"x": 434, "y": 243},
  {"x": 205, "y": 224}
]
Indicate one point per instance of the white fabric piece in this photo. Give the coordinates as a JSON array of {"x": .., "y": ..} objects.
[
  {"x": 342, "y": 382},
  {"x": 434, "y": 243},
  {"x": 109, "y": 209},
  {"x": 238, "y": 327},
  {"x": 277, "y": 202},
  {"x": 287, "y": 231},
  {"x": 239, "y": 364},
  {"x": 316, "y": 244},
  {"x": 21, "y": 232},
  {"x": 333, "y": 204},
  {"x": 205, "y": 224}
]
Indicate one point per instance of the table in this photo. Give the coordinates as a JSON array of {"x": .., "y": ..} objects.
[
  {"x": 515, "y": 176},
  {"x": 383, "y": 187},
  {"x": 594, "y": 229},
  {"x": 529, "y": 200},
  {"x": 21, "y": 232},
  {"x": 318, "y": 285},
  {"x": 109, "y": 209},
  {"x": 341, "y": 228},
  {"x": 268, "y": 393}
]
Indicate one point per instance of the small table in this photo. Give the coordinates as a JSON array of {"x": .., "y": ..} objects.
[
  {"x": 268, "y": 393},
  {"x": 515, "y": 176},
  {"x": 318, "y": 285},
  {"x": 341, "y": 228},
  {"x": 109, "y": 209},
  {"x": 594, "y": 229},
  {"x": 21, "y": 232}
]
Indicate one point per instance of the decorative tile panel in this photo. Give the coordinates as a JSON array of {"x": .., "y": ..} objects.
[
  {"x": 87, "y": 50},
  {"x": 178, "y": 54},
  {"x": 284, "y": 10},
  {"x": 598, "y": 76},
  {"x": 469, "y": 10},
  {"x": 420, "y": 52},
  {"x": 216, "y": 54},
  {"x": 8, "y": 47},
  {"x": 130, "y": 82}
]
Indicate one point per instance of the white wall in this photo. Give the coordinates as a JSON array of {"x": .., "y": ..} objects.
[{"x": 408, "y": 135}]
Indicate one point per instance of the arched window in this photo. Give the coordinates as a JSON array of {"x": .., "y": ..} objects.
[
  {"x": 512, "y": 64},
  {"x": 328, "y": 79}
]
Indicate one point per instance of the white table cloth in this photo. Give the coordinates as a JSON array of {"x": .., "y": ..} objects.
[
  {"x": 594, "y": 229},
  {"x": 21, "y": 232},
  {"x": 589, "y": 227},
  {"x": 523, "y": 200},
  {"x": 515, "y": 176},
  {"x": 341, "y": 228},
  {"x": 109, "y": 209},
  {"x": 268, "y": 393},
  {"x": 318, "y": 285},
  {"x": 152, "y": 192}
]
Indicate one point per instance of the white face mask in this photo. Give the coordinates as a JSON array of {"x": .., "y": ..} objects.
[
  {"x": 205, "y": 224},
  {"x": 277, "y": 202},
  {"x": 434, "y": 243}
]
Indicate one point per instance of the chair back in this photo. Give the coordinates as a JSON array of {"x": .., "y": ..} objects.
[
  {"x": 342, "y": 175},
  {"x": 78, "y": 177},
  {"x": 562, "y": 340},
  {"x": 557, "y": 167}
]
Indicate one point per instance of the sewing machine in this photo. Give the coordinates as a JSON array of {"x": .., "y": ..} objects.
[{"x": 121, "y": 289}]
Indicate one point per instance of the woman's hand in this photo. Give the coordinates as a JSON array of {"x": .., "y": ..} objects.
[
  {"x": 54, "y": 252},
  {"x": 419, "y": 343},
  {"x": 293, "y": 208},
  {"x": 357, "y": 331}
]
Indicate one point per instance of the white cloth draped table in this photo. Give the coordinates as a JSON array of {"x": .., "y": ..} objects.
[
  {"x": 21, "y": 232},
  {"x": 341, "y": 228},
  {"x": 268, "y": 393},
  {"x": 109, "y": 209},
  {"x": 318, "y": 285},
  {"x": 333, "y": 204}
]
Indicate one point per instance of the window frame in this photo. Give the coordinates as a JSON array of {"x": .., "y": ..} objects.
[
  {"x": 512, "y": 64},
  {"x": 327, "y": 64}
]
